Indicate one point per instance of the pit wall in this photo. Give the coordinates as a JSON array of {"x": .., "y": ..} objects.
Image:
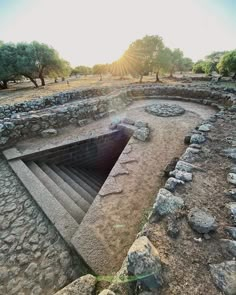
[{"x": 16, "y": 126}]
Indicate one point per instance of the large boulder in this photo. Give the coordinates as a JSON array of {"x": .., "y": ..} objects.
[
  {"x": 166, "y": 203},
  {"x": 224, "y": 276},
  {"x": 144, "y": 264},
  {"x": 84, "y": 285},
  {"x": 201, "y": 221}
]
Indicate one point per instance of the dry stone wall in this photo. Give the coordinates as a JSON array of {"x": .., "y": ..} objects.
[{"x": 76, "y": 109}]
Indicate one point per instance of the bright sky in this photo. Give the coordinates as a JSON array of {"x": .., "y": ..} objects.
[{"x": 86, "y": 32}]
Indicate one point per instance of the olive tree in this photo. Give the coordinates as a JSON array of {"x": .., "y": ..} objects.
[{"x": 227, "y": 64}]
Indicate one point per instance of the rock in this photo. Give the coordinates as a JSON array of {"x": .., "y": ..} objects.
[
  {"x": 231, "y": 231},
  {"x": 187, "y": 139},
  {"x": 232, "y": 208},
  {"x": 141, "y": 133},
  {"x": 205, "y": 127},
  {"x": 184, "y": 166},
  {"x": 84, "y": 285},
  {"x": 35, "y": 127},
  {"x": 171, "y": 166},
  {"x": 37, "y": 290},
  {"x": 31, "y": 270},
  {"x": 230, "y": 153},
  {"x": 232, "y": 193},
  {"x": 49, "y": 132},
  {"x": 232, "y": 169},
  {"x": 166, "y": 203},
  {"x": 201, "y": 221},
  {"x": 172, "y": 227},
  {"x": 3, "y": 274},
  {"x": 182, "y": 175},
  {"x": 231, "y": 178},
  {"x": 3, "y": 140},
  {"x": 197, "y": 138},
  {"x": 190, "y": 155},
  {"x": 224, "y": 275},
  {"x": 144, "y": 263},
  {"x": 228, "y": 247},
  {"x": 140, "y": 124},
  {"x": 107, "y": 292},
  {"x": 165, "y": 110},
  {"x": 171, "y": 184},
  {"x": 110, "y": 187}
]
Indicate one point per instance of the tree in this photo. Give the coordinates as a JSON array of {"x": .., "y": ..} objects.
[
  {"x": 199, "y": 67},
  {"x": 81, "y": 70},
  {"x": 227, "y": 64},
  {"x": 7, "y": 64},
  {"x": 176, "y": 60},
  {"x": 99, "y": 69},
  {"x": 37, "y": 60}
]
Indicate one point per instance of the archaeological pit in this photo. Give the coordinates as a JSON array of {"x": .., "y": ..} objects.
[{"x": 90, "y": 164}]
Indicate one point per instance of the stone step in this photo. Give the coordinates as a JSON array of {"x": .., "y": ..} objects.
[
  {"x": 75, "y": 177},
  {"x": 90, "y": 176},
  {"x": 85, "y": 178},
  {"x": 79, "y": 189},
  {"x": 75, "y": 211},
  {"x": 96, "y": 175},
  {"x": 81, "y": 202}
]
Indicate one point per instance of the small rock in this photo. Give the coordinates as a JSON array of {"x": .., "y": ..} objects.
[
  {"x": 141, "y": 133},
  {"x": 84, "y": 285},
  {"x": 232, "y": 208},
  {"x": 3, "y": 274},
  {"x": 172, "y": 227},
  {"x": 182, "y": 175},
  {"x": 31, "y": 270},
  {"x": 205, "y": 127},
  {"x": 197, "y": 138},
  {"x": 224, "y": 275},
  {"x": 166, "y": 203},
  {"x": 231, "y": 178},
  {"x": 184, "y": 166},
  {"x": 49, "y": 132},
  {"x": 171, "y": 184},
  {"x": 141, "y": 124},
  {"x": 36, "y": 290},
  {"x": 228, "y": 246},
  {"x": 144, "y": 263},
  {"x": 230, "y": 153},
  {"x": 232, "y": 193},
  {"x": 231, "y": 231},
  {"x": 201, "y": 221}
]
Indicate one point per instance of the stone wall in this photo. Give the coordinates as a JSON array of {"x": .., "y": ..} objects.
[{"x": 79, "y": 112}]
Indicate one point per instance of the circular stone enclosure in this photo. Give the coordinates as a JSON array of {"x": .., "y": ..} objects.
[{"x": 165, "y": 110}]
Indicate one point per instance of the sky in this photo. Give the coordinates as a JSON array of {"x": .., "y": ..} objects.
[{"x": 86, "y": 32}]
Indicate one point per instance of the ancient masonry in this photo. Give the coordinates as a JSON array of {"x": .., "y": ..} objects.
[{"x": 39, "y": 249}]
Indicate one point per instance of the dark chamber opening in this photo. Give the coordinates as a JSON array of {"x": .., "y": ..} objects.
[{"x": 74, "y": 173}]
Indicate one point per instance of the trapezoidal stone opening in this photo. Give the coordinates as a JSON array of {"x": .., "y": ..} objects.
[{"x": 74, "y": 173}]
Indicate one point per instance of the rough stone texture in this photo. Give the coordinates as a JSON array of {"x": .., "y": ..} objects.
[
  {"x": 144, "y": 263},
  {"x": 232, "y": 208},
  {"x": 230, "y": 153},
  {"x": 182, "y": 175},
  {"x": 228, "y": 246},
  {"x": 118, "y": 169},
  {"x": 165, "y": 204},
  {"x": 165, "y": 110},
  {"x": 231, "y": 231},
  {"x": 33, "y": 257},
  {"x": 84, "y": 285},
  {"x": 224, "y": 275},
  {"x": 205, "y": 127},
  {"x": 197, "y": 138},
  {"x": 231, "y": 177},
  {"x": 142, "y": 133},
  {"x": 171, "y": 184},
  {"x": 49, "y": 133},
  {"x": 201, "y": 221}
]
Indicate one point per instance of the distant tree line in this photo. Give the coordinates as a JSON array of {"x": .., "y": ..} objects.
[
  {"x": 30, "y": 60},
  {"x": 222, "y": 62}
]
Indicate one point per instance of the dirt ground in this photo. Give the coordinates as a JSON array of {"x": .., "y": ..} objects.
[{"x": 187, "y": 258}]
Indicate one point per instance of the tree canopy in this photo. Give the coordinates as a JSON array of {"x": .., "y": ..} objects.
[
  {"x": 227, "y": 64},
  {"x": 31, "y": 60}
]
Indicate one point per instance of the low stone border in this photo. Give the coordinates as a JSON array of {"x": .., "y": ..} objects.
[{"x": 29, "y": 124}]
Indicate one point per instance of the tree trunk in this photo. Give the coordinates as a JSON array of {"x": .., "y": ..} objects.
[
  {"x": 234, "y": 76},
  {"x": 100, "y": 77},
  {"x": 42, "y": 80},
  {"x": 3, "y": 85},
  {"x": 34, "y": 82},
  {"x": 157, "y": 77},
  {"x": 55, "y": 80},
  {"x": 141, "y": 79}
]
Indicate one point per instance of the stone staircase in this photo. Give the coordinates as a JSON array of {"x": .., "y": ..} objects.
[{"x": 74, "y": 188}]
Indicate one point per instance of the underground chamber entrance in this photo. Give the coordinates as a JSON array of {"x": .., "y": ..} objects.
[{"x": 74, "y": 173}]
